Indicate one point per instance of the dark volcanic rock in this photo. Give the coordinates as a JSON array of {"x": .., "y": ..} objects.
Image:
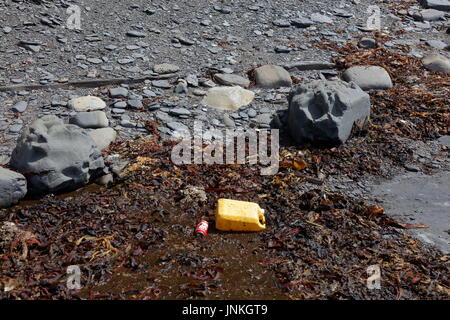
[{"x": 324, "y": 111}]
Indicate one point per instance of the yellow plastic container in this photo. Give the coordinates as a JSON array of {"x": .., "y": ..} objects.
[{"x": 234, "y": 215}]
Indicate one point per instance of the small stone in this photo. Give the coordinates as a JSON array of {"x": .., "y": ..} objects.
[
  {"x": 127, "y": 124},
  {"x": 411, "y": 168},
  {"x": 438, "y": 44},
  {"x": 179, "y": 112},
  {"x": 177, "y": 126},
  {"x": 13, "y": 187},
  {"x": 20, "y": 107},
  {"x": 270, "y": 76},
  {"x": 86, "y": 103},
  {"x": 232, "y": 80},
  {"x": 302, "y": 22},
  {"x": 199, "y": 92},
  {"x": 282, "y": 49},
  {"x": 165, "y": 68},
  {"x": 320, "y": 18},
  {"x": 15, "y": 128},
  {"x": 136, "y": 34},
  {"x": 264, "y": 118},
  {"x": 135, "y": 104},
  {"x": 96, "y": 119},
  {"x": 368, "y": 77},
  {"x": 118, "y": 92},
  {"x": 429, "y": 15},
  {"x": 227, "y": 121},
  {"x": 367, "y": 43},
  {"x": 120, "y": 105},
  {"x": 281, "y": 23},
  {"x": 437, "y": 63},
  {"x": 162, "y": 84},
  {"x": 192, "y": 80},
  {"x": 94, "y": 60}
]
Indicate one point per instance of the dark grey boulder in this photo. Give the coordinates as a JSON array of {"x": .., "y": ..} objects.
[
  {"x": 443, "y": 5},
  {"x": 324, "y": 111},
  {"x": 13, "y": 187},
  {"x": 56, "y": 157}
]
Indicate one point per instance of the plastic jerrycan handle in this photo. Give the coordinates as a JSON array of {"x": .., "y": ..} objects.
[{"x": 262, "y": 219}]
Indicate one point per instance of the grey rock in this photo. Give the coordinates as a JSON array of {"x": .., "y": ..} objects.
[
  {"x": 20, "y": 107},
  {"x": 57, "y": 157},
  {"x": 411, "y": 168},
  {"x": 438, "y": 44},
  {"x": 136, "y": 34},
  {"x": 264, "y": 118},
  {"x": 302, "y": 22},
  {"x": 325, "y": 111},
  {"x": 165, "y": 68},
  {"x": 270, "y": 76},
  {"x": 127, "y": 124},
  {"x": 95, "y": 60},
  {"x": 118, "y": 111},
  {"x": 281, "y": 23},
  {"x": 135, "y": 104},
  {"x": 368, "y": 77},
  {"x": 320, "y": 18},
  {"x": 367, "y": 43},
  {"x": 118, "y": 92},
  {"x": 120, "y": 105},
  {"x": 251, "y": 113},
  {"x": 443, "y": 5},
  {"x": 15, "y": 128},
  {"x": 13, "y": 187},
  {"x": 180, "y": 112},
  {"x": 162, "y": 84},
  {"x": 282, "y": 49},
  {"x": 437, "y": 63},
  {"x": 429, "y": 15},
  {"x": 164, "y": 117},
  {"x": 103, "y": 137},
  {"x": 149, "y": 93},
  {"x": 192, "y": 80},
  {"x": 232, "y": 80},
  {"x": 177, "y": 126},
  {"x": 94, "y": 120},
  {"x": 228, "y": 121}
]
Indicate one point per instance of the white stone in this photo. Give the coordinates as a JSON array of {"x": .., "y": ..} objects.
[
  {"x": 87, "y": 103},
  {"x": 228, "y": 98}
]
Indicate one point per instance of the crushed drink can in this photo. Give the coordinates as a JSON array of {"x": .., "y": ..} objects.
[{"x": 202, "y": 228}]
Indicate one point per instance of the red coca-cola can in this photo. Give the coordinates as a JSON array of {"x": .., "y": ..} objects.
[{"x": 202, "y": 228}]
